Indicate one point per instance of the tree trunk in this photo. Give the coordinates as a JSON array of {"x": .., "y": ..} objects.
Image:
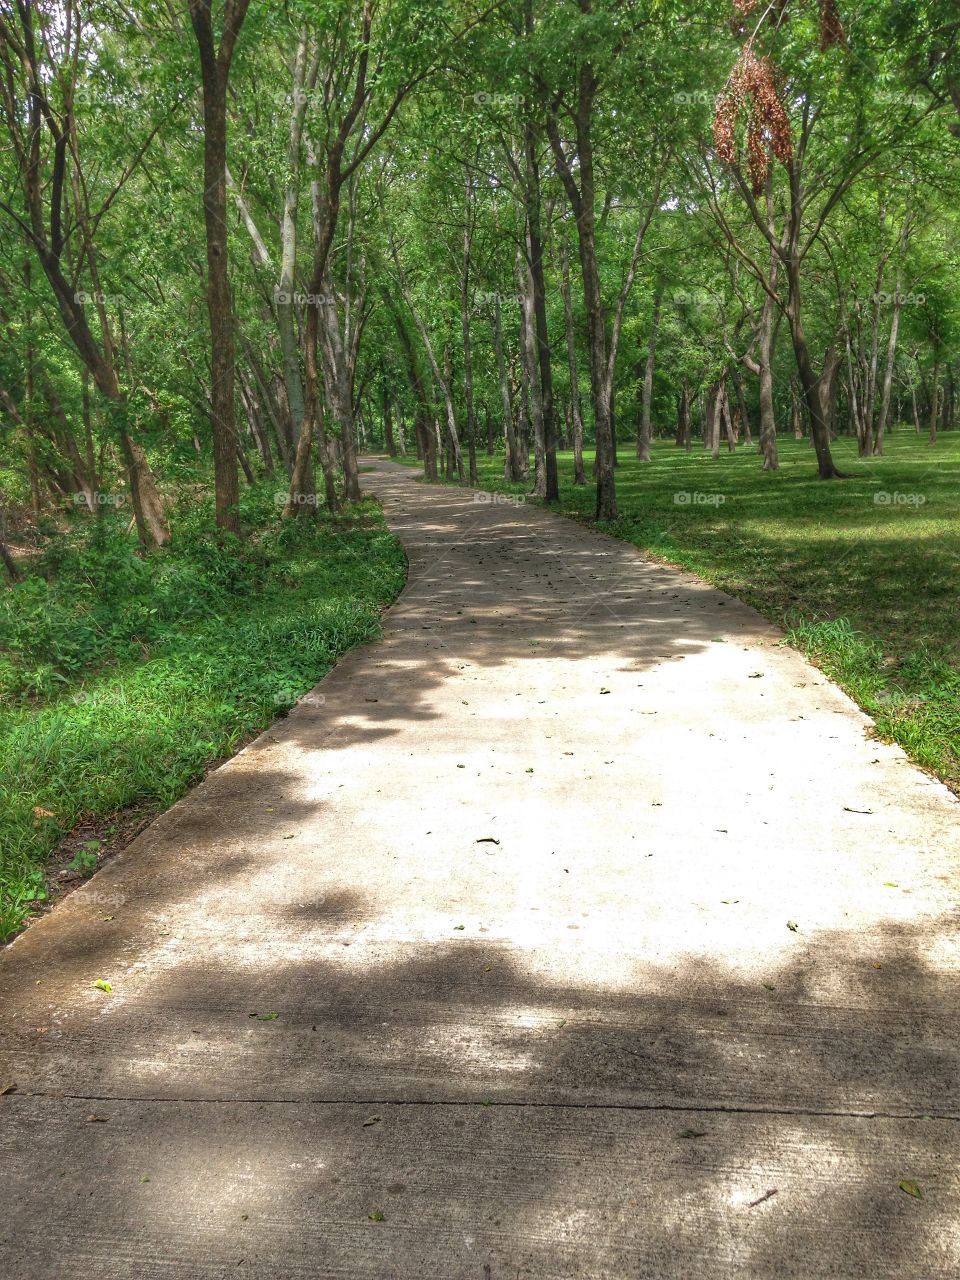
[
  {"x": 576, "y": 415},
  {"x": 215, "y": 71},
  {"x": 531, "y": 389},
  {"x": 683, "y": 417},
  {"x": 583, "y": 203},
  {"x": 388, "y": 422},
  {"x": 881, "y": 426},
  {"x": 541, "y": 338},
  {"x": 935, "y": 402},
  {"x": 511, "y": 463},
  {"x": 643, "y": 436},
  {"x": 809, "y": 381},
  {"x": 471, "y": 423}
]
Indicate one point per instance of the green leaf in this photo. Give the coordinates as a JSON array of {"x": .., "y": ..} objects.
[
  {"x": 102, "y": 985},
  {"x": 911, "y": 1189},
  {"x": 793, "y": 926}
]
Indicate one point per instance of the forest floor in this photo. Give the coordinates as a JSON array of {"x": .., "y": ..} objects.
[
  {"x": 124, "y": 680},
  {"x": 578, "y": 926},
  {"x": 863, "y": 574}
]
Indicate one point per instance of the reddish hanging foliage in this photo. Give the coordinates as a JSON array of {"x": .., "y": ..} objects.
[
  {"x": 831, "y": 28},
  {"x": 753, "y": 84},
  {"x": 742, "y": 11}
]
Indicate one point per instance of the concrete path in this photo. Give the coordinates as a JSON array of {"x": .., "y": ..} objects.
[{"x": 482, "y": 963}]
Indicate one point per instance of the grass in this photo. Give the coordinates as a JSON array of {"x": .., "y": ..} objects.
[
  {"x": 863, "y": 573},
  {"x": 123, "y": 680}
]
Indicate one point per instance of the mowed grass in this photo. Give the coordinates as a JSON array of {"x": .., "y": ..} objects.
[
  {"x": 190, "y": 670},
  {"x": 862, "y": 573}
]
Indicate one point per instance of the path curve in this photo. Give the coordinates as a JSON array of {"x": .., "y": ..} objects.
[{"x": 519, "y": 883}]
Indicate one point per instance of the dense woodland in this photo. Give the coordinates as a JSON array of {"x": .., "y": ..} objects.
[
  {"x": 238, "y": 240},
  {"x": 594, "y": 251}
]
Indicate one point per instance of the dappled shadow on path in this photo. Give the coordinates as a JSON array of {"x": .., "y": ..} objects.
[{"x": 557, "y": 929}]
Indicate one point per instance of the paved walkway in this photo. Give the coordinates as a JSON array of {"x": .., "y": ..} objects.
[{"x": 482, "y": 963}]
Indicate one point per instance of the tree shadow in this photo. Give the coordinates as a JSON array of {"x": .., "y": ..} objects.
[{"x": 534, "y": 1044}]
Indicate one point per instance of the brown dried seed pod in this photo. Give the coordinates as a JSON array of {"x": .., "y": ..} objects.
[{"x": 831, "y": 28}]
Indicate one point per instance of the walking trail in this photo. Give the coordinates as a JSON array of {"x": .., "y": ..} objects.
[{"x": 574, "y": 928}]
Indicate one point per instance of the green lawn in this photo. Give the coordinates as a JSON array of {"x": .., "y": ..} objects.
[
  {"x": 122, "y": 680},
  {"x": 863, "y": 573}
]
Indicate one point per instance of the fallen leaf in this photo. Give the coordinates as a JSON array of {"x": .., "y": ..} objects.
[
  {"x": 371, "y": 1120},
  {"x": 889, "y": 884},
  {"x": 459, "y": 926},
  {"x": 8, "y": 1088},
  {"x": 290, "y": 836},
  {"x": 265, "y": 1017},
  {"x": 769, "y": 986},
  {"x": 911, "y": 1189},
  {"x": 767, "y": 1195},
  {"x": 692, "y": 1133},
  {"x": 756, "y": 675},
  {"x": 793, "y": 926},
  {"x": 39, "y": 813},
  {"x": 92, "y": 1119},
  {"x": 486, "y": 840},
  {"x": 376, "y": 1216},
  {"x": 102, "y": 985},
  {"x": 604, "y": 690},
  {"x": 461, "y": 766}
]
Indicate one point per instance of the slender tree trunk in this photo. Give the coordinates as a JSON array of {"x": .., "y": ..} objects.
[
  {"x": 531, "y": 389},
  {"x": 541, "y": 338},
  {"x": 471, "y": 423},
  {"x": 304, "y": 79},
  {"x": 576, "y": 416},
  {"x": 5, "y": 557},
  {"x": 511, "y": 463},
  {"x": 388, "y": 439},
  {"x": 215, "y": 71},
  {"x": 727, "y": 419},
  {"x": 809, "y": 381},
  {"x": 935, "y": 402},
  {"x": 583, "y": 202},
  {"x": 888, "y": 370},
  {"x": 742, "y": 410},
  {"x": 683, "y": 417},
  {"x": 643, "y": 436}
]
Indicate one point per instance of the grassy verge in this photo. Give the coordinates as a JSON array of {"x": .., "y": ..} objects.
[
  {"x": 863, "y": 574},
  {"x": 122, "y": 680}
]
